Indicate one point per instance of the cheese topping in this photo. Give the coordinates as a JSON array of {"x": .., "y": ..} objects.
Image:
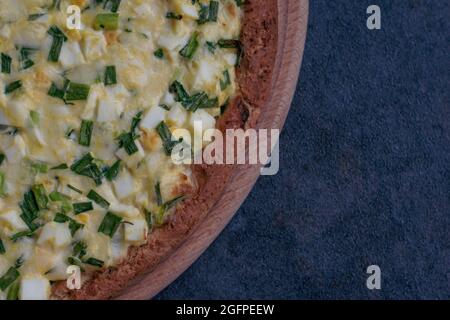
[{"x": 86, "y": 117}]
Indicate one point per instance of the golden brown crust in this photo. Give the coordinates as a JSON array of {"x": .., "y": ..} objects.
[{"x": 259, "y": 37}]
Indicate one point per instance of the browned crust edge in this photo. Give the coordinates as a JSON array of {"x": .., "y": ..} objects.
[{"x": 259, "y": 38}]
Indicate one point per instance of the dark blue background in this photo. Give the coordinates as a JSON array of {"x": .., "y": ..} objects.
[{"x": 365, "y": 169}]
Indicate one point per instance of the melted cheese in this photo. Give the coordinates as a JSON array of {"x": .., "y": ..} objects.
[{"x": 39, "y": 131}]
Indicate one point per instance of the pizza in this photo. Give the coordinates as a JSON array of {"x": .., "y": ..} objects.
[{"x": 92, "y": 95}]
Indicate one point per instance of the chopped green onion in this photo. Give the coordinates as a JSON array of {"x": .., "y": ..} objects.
[
  {"x": 208, "y": 13},
  {"x": 30, "y": 210},
  {"x": 171, "y": 203},
  {"x": 56, "y": 196},
  {"x": 106, "y": 21},
  {"x": 79, "y": 249},
  {"x": 86, "y": 167},
  {"x": 24, "y": 58},
  {"x": 58, "y": 39},
  {"x": 200, "y": 101},
  {"x": 210, "y": 103},
  {"x": 136, "y": 120},
  {"x": 203, "y": 14},
  {"x": 161, "y": 215},
  {"x": 19, "y": 235},
  {"x": 40, "y": 195},
  {"x": 226, "y": 81},
  {"x": 84, "y": 138},
  {"x": 6, "y": 63},
  {"x": 229, "y": 44},
  {"x": 55, "y": 92},
  {"x": 232, "y": 44},
  {"x": 13, "y": 292},
  {"x": 194, "y": 102},
  {"x": 82, "y": 163},
  {"x": 166, "y": 137},
  {"x": 110, "y": 224},
  {"x": 178, "y": 90},
  {"x": 110, "y": 75},
  {"x": 113, "y": 171},
  {"x": 39, "y": 167},
  {"x": 2, "y": 247},
  {"x": 191, "y": 47},
  {"x": 211, "y": 47},
  {"x": 2, "y": 158},
  {"x": 62, "y": 166},
  {"x": 126, "y": 141},
  {"x": 213, "y": 10},
  {"x": 56, "y": 32},
  {"x": 98, "y": 199},
  {"x": 82, "y": 207},
  {"x": 13, "y": 86},
  {"x": 61, "y": 218},
  {"x": 74, "y": 189},
  {"x": 55, "y": 49},
  {"x": 94, "y": 262},
  {"x": 8, "y": 278},
  {"x": 74, "y": 226},
  {"x": 76, "y": 91}
]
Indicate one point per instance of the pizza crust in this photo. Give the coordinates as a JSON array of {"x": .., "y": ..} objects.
[{"x": 254, "y": 76}]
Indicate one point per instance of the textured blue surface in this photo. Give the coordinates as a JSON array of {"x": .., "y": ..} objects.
[{"x": 365, "y": 169}]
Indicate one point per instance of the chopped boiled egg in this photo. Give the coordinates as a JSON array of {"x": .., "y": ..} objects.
[{"x": 34, "y": 288}]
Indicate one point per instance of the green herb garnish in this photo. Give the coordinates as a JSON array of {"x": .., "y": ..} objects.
[
  {"x": 6, "y": 63},
  {"x": 113, "y": 171},
  {"x": 58, "y": 39},
  {"x": 98, "y": 199},
  {"x": 191, "y": 47},
  {"x": 13, "y": 292},
  {"x": 8, "y": 278},
  {"x": 84, "y": 138},
  {"x": 82, "y": 207},
  {"x": 86, "y": 167},
  {"x": 94, "y": 262},
  {"x": 110, "y": 224},
  {"x": 76, "y": 91},
  {"x": 19, "y": 235},
  {"x": 166, "y": 137},
  {"x": 13, "y": 86},
  {"x": 40, "y": 195},
  {"x": 110, "y": 75}
]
